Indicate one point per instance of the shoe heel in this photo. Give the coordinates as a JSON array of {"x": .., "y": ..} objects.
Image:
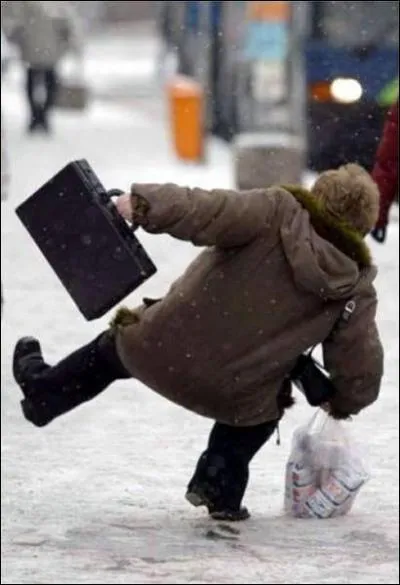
[
  {"x": 31, "y": 414},
  {"x": 231, "y": 515},
  {"x": 195, "y": 499}
]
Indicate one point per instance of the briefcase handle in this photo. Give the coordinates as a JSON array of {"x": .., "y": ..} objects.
[
  {"x": 117, "y": 193},
  {"x": 114, "y": 193}
]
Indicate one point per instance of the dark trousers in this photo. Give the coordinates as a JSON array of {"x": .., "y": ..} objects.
[
  {"x": 41, "y": 88},
  {"x": 222, "y": 472}
]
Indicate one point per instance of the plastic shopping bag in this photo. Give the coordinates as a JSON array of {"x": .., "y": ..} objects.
[{"x": 324, "y": 472}]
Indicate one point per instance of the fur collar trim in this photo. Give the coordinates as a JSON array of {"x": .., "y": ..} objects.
[{"x": 338, "y": 233}]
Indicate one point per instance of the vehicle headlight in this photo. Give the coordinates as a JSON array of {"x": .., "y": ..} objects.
[{"x": 346, "y": 91}]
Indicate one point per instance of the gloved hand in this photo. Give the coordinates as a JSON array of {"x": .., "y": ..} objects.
[{"x": 379, "y": 234}]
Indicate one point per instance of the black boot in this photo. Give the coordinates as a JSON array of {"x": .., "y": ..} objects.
[
  {"x": 52, "y": 391},
  {"x": 43, "y": 120},
  {"x": 39, "y": 121},
  {"x": 216, "y": 486},
  {"x": 222, "y": 472}
]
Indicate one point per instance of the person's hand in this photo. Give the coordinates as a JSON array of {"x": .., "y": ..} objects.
[
  {"x": 123, "y": 204},
  {"x": 379, "y": 234}
]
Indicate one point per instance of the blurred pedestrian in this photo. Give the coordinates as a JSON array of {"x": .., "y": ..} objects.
[
  {"x": 386, "y": 171},
  {"x": 44, "y": 31}
]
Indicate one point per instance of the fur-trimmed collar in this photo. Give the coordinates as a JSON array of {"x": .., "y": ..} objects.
[{"x": 338, "y": 233}]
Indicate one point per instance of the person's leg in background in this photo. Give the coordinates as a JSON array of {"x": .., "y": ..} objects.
[
  {"x": 33, "y": 83},
  {"x": 50, "y": 82}
]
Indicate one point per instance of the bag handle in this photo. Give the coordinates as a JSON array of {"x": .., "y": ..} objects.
[{"x": 313, "y": 421}]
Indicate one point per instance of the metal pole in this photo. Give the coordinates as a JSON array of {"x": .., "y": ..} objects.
[
  {"x": 274, "y": 152},
  {"x": 297, "y": 91}
]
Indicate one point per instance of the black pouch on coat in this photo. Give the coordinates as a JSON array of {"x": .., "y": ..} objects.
[
  {"x": 312, "y": 381},
  {"x": 90, "y": 247}
]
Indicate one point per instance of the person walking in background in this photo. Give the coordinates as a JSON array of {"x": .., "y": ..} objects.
[
  {"x": 44, "y": 33},
  {"x": 385, "y": 171}
]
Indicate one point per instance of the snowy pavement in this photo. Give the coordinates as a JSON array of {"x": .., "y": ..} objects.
[{"x": 98, "y": 496}]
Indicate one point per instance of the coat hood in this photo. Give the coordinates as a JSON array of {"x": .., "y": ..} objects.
[{"x": 327, "y": 257}]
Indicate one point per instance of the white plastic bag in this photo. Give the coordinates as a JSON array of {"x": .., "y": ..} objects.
[{"x": 324, "y": 472}]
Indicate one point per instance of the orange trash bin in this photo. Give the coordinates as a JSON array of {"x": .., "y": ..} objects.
[{"x": 186, "y": 103}]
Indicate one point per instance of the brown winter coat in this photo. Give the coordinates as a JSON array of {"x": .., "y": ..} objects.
[{"x": 271, "y": 283}]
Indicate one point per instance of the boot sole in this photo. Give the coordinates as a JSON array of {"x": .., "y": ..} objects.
[
  {"x": 198, "y": 499},
  {"x": 32, "y": 415},
  {"x": 27, "y": 346},
  {"x": 227, "y": 516}
]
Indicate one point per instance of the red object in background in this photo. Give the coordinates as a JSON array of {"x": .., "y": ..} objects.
[{"x": 385, "y": 171}]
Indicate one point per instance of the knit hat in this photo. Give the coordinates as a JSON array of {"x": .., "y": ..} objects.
[{"x": 350, "y": 195}]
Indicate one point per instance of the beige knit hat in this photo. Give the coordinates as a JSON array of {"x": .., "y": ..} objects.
[{"x": 349, "y": 194}]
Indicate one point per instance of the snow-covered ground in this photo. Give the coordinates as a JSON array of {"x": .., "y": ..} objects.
[{"x": 98, "y": 496}]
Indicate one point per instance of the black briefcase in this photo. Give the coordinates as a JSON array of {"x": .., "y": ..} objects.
[{"x": 90, "y": 247}]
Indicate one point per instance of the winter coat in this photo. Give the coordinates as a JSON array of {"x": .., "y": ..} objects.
[
  {"x": 43, "y": 30},
  {"x": 385, "y": 171},
  {"x": 272, "y": 281}
]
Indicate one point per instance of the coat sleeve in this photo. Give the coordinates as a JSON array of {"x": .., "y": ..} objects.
[
  {"x": 353, "y": 356},
  {"x": 206, "y": 218},
  {"x": 385, "y": 171}
]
